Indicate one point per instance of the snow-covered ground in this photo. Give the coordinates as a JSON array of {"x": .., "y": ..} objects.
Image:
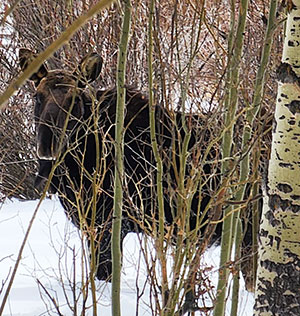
[{"x": 47, "y": 267}]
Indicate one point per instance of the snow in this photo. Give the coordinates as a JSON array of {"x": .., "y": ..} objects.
[{"x": 47, "y": 266}]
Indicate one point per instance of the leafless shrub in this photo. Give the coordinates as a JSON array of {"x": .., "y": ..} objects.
[{"x": 17, "y": 141}]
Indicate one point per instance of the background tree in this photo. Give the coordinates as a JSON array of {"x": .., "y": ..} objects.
[{"x": 278, "y": 275}]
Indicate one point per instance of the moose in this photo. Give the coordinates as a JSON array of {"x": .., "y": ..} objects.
[{"x": 75, "y": 131}]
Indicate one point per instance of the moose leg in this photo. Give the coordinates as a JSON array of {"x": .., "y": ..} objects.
[
  {"x": 247, "y": 258},
  {"x": 103, "y": 254}
]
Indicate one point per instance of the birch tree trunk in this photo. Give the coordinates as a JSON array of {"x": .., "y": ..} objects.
[{"x": 278, "y": 276}]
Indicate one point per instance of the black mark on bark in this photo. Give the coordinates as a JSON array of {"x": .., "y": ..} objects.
[
  {"x": 281, "y": 296},
  {"x": 271, "y": 218},
  {"x": 292, "y": 122},
  {"x": 294, "y": 107},
  {"x": 275, "y": 202},
  {"x": 286, "y": 74},
  {"x": 293, "y": 43},
  {"x": 284, "y": 187},
  {"x": 295, "y": 197},
  {"x": 277, "y": 155},
  {"x": 284, "y": 164}
]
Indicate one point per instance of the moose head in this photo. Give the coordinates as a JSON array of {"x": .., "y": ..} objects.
[{"x": 59, "y": 101}]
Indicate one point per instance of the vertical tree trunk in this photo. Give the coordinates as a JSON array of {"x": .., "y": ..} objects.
[
  {"x": 278, "y": 275},
  {"x": 119, "y": 146},
  {"x": 251, "y": 114},
  {"x": 161, "y": 250},
  {"x": 229, "y": 219}
]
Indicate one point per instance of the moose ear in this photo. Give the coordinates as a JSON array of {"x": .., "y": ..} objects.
[
  {"x": 26, "y": 56},
  {"x": 90, "y": 68}
]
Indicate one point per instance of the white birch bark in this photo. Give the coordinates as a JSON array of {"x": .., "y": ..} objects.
[{"x": 278, "y": 276}]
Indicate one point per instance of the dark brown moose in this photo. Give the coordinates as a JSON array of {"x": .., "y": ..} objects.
[{"x": 75, "y": 133}]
